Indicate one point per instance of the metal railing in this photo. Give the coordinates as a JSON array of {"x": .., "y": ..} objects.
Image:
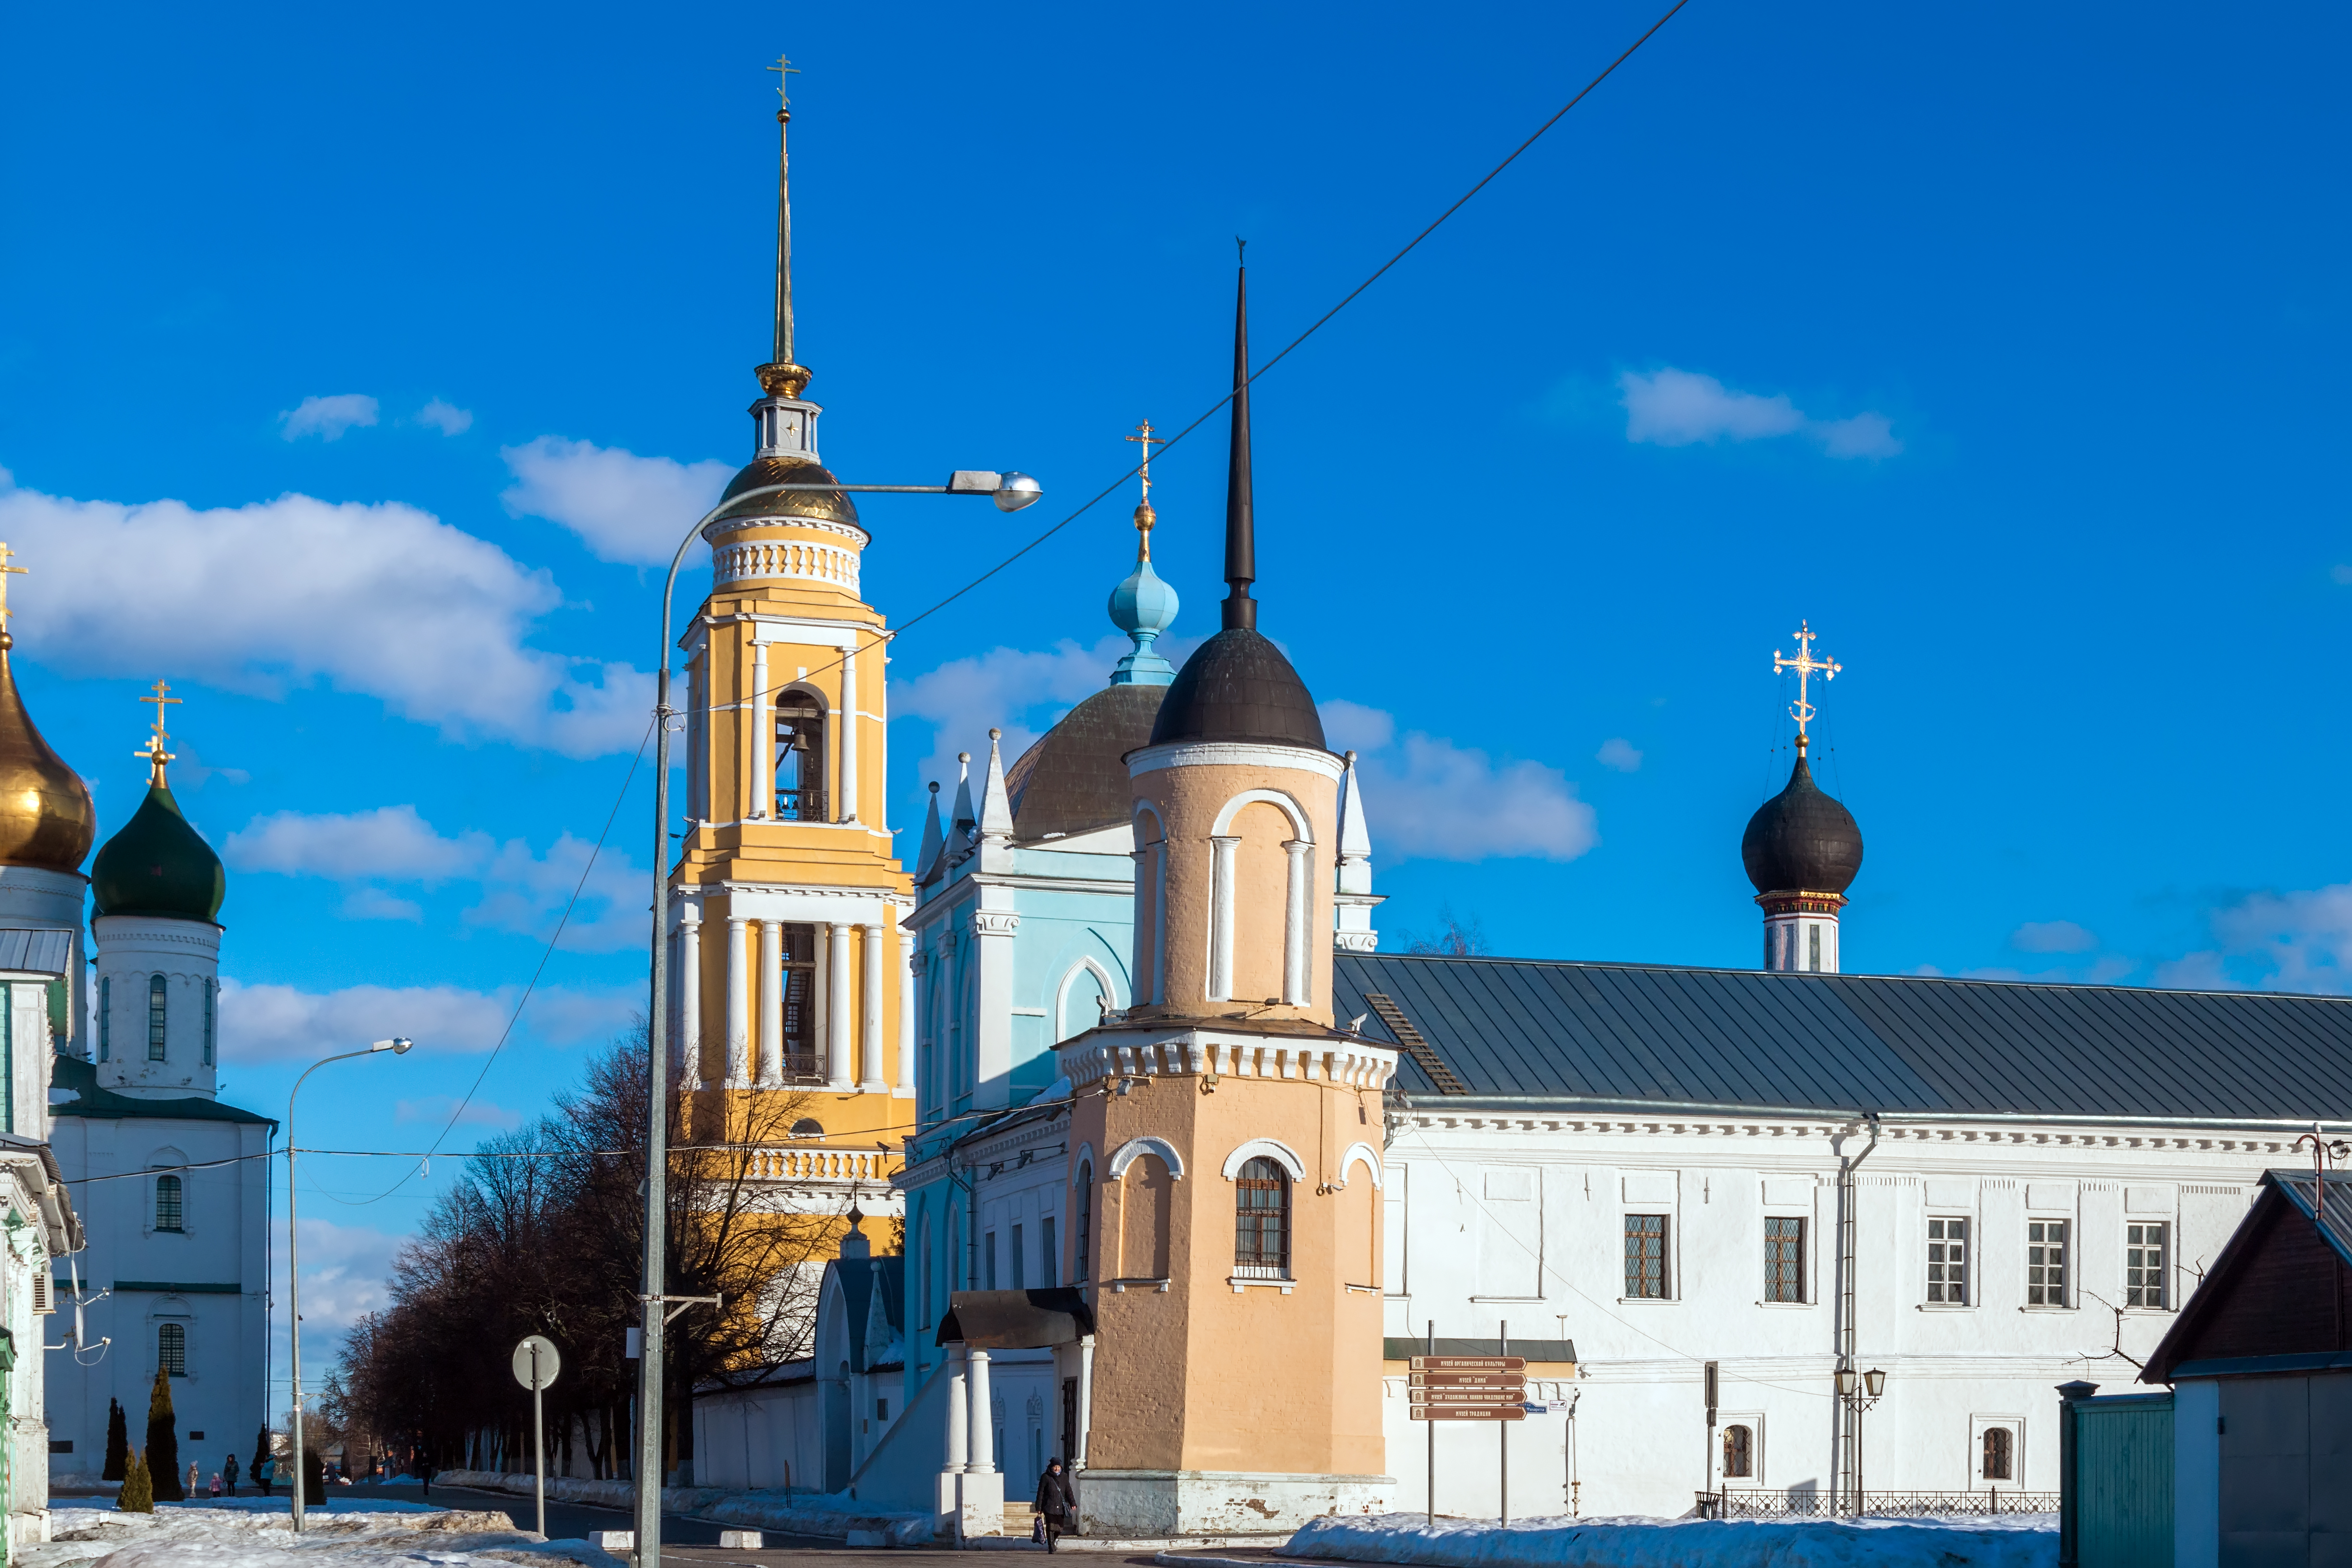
[{"x": 1759, "y": 1503}]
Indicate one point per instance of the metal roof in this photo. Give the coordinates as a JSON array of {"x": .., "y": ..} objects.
[
  {"x": 2302, "y": 1186},
  {"x": 23, "y": 952},
  {"x": 1536, "y": 1029}
]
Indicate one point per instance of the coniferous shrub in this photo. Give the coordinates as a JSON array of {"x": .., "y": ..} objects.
[
  {"x": 138, "y": 1494},
  {"x": 118, "y": 1443},
  {"x": 163, "y": 1442},
  {"x": 314, "y": 1477}
]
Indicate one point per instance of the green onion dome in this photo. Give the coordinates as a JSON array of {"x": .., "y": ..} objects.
[{"x": 158, "y": 864}]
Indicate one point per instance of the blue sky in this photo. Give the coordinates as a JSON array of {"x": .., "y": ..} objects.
[{"x": 2005, "y": 345}]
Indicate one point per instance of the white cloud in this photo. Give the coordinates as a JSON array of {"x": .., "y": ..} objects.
[
  {"x": 2295, "y": 941},
  {"x": 327, "y": 417},
  {"x": 2052, "y": 936},
  {"x": 1019, "y": 692},
  {"x": 437, "y": 1109},
  {"x": 1681, "y": 408},
  {"x": 2341, "y": 573},
  {"x": 280, "y": 1023},
  {"x": 623, "y": 507},
  {"x": 385, "y": 600},
  {"x": 521, "y": 891},
  {"x": 344, "y": 1269},
  {"x": 1619, "y": 753},
  {"x": 1430, "y": 799},
  {"x": 446, "y": 418}
]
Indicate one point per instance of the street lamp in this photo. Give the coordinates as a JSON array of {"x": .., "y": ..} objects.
[
  {"x": 398, "y": 1047},
  {"x": 1859, "y": 1391},
  {"x": 1010, "y": 491}
]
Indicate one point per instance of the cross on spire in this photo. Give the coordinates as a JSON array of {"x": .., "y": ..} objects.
[
  {"x": 154, "y": 753},
  {"x": 785, "y": 70},
  {"x": 1806, "y": 665},
  {"x": 1144, "y": 516},
  {"x": 7, "y": 571}
]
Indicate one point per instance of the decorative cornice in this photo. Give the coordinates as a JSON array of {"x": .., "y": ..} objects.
[
  {"x": 1343, "y": 1062},
  {"x": 995, "y": 923},
  {"x": 1787, "y": 901},
  {"x": 1356, "y": 941},
  {"x": 1233, "y": 754},
  {"x": 760, "y": 559}
]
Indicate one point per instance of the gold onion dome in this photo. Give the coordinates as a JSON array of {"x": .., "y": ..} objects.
[{"x": 46, "y": 817}]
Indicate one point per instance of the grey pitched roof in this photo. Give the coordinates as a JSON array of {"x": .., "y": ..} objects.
[
  {"x": 36, "y": 952},
  {"x": 79, "y": 1079},
  {"x": 2302, "y": 1190},
  {"x": 1520, "y": 1027}
]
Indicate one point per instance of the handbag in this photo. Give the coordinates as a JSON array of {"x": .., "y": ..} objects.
[{"x": 1037, "y": 1531}]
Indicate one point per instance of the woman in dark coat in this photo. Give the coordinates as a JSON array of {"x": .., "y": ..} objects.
[{"x": 1057, "y": 1506}]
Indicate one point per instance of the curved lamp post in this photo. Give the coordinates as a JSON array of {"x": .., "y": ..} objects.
[
  {"x": 1010, "y": 491},
  {"x": 398, "y": 1047}
]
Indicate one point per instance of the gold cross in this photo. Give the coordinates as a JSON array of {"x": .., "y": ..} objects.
[
  {"x": 785, "y": 70},
  {"x": 1149, "y": 441},
  {"x": 1806, "y": 666},
  {"x": 6, "y": 572},
  {"x": 154, "y": 752}
]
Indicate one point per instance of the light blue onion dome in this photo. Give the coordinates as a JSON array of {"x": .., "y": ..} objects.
[{"x": 1143, "y": 607}]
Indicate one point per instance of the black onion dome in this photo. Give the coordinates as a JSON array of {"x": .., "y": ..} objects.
[
  {"x": 1238, "y": 686},
  {"x": 158, "y": 866},
  {"x": 1802, "y": 840},
  {"x": 1074, "y": 777}
]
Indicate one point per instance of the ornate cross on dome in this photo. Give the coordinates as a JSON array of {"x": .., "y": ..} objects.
[
  {"x": 7, "y": 571},
  {"x": 785, "y": 70},
  {"x": 154, "y": 753},
  {"x": 1806, "y": 666},
  {"x": 1144, "y": 516}
]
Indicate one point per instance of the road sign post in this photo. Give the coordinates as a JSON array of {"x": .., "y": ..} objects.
[
  {"x": 536, "y": 1363},
  {"x": 1468, "y": 1388}
]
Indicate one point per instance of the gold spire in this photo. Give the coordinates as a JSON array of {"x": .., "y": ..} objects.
[
  {"x": 781, "y": 376},
  {"x": 46, "y": 817},
  {"x": 1144, "y": 516},
  {"x": 1806, "y": 665},
  {"x": 153, "y": 752}
]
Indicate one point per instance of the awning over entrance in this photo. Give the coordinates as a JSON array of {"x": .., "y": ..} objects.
[{"x": 1017, "y": 1320}]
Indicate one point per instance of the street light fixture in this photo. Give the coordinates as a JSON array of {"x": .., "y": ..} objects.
[
  {"x": 398, "y": 1046},
  {"x": 1010, "y": 491},
  {"x": 1872, "y": 1385}
]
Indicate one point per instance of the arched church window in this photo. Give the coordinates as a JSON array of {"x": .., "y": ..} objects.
[
  {"x": 808, "y": 1128},
  {"x": 154, "y": 1017},
  {"x": 1261, "y": 1215},
  {"x": 171, "y": 1349},
  {"x": 1739, "y": 1453},
  {"x": 212, "y": 1019},
  {"x": 800, "y": 759},
  {"x": 1079, "y": 1271},
  {"x": 168, "y": 1199},
  {"x": 106, "y": 1017},
  {"x": 1999, "y": 1454}
]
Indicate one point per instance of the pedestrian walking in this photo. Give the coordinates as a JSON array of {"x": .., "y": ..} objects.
[
  {"x": 425, "y": 1475},
  {"x": 266, "y": 1472},
  {"x": 190, "y": 1491},
  {"x": 1058, "y": 1505},
  {"x": 228, "y": 1473}
]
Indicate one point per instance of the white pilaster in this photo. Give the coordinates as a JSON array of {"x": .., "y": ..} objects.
[
  {"x": 1160, "y": 922},
  {"x": 763, "y": 739},
  {"x": 906, "y": 1090},
  {"x": 1077, "y": 1460},
  {"x": 849, "y": 736},
  {"x": 983, "y": 1412},
  {"x": 991, "y": 1047},
  {"x": 739, "y": 1008},
  {"x": 1221, "y": 917},
  {"x": 1146, "y": 958},
  {"x": 869, "y": 1043},
  {"x": 1295, "y": 988},
  {"x": 686, "y": 980},
  {"x": 771, "y": 1073},
  {"x": 958, "y": 1412},
  {"x": 836, "y": 1009}
]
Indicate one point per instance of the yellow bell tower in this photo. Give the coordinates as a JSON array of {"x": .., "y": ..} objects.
[{"x": 791, "y": 993}]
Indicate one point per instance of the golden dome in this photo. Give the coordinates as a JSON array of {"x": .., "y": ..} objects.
[{"x": 46, "y": 817}]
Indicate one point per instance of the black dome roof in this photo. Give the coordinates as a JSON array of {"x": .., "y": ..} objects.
[
  {"x": 1074, "y": 777},
  {"x": 1238, "y": 686},
  {"x": 1802, "y": 840}
]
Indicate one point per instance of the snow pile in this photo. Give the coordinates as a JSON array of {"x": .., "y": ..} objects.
[
  {"x": 2006, "y": 1540},
  {"x": 794, "y": 1513},
  {"x": 196, "y": 1535}
]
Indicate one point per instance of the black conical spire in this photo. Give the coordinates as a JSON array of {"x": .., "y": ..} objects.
[{"x": 1241, "y": 532}]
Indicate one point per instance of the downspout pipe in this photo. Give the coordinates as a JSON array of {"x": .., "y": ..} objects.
[{"x": 1842, "y": 1318}]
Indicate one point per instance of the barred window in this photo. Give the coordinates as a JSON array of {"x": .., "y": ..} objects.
[
  {"x": 154, "y": 1017},
  {"x": 106, "y": 1017},
  {"x": 171, "y": 1349},
  {"x": 168, "y": 1197},
  {"x": 2045, "y": 1263},
  {"x": 1784, "y": 1261},
  {"x": 1049, "y": 1257},
  {"x": 1261, "y": 1215},
  {"x": 1646, "y": 1256},
  {"x": 1739, "y": 1453},
  {"x": 1948, "y": 1261},
  {"x": 2146, "y": 1252},
  {"x": 1999, "y": 1449}
]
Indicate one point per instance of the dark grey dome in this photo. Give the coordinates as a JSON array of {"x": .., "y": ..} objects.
[
  {"x": 1238, "y": 686},
  {"x": 1802, "y": 840},
  {"x": 1074, "y": 777}
]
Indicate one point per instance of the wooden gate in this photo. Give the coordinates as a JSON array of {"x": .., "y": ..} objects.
[{"x": 2118, "y": 1482}]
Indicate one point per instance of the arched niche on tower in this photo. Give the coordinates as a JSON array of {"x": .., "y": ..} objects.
[
  {"x": 803, "y": 756},
  {"x": 1262, "y": 850}
]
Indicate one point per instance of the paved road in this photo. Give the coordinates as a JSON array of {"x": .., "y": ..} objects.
[{"x": 571, "y": 1520}]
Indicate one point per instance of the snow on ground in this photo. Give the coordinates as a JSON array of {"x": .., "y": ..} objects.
[
  {"x": 2004, "y": 1541},
  {"x": 253, "y": 1534},
  {"x": 832, "y": 1515}
]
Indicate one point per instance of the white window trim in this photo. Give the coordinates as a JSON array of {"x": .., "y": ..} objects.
[
  {"x": 1279, "y": 1152},
  {"x": 1128, "y": 1153}
]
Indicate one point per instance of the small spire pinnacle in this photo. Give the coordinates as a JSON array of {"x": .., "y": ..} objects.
[
  {"x": 781, "y": 376},
  {"x": 7, "y": 571},
  {"x": 1144, "y": 516},
  {"x": 1806, "y": 666},
  {"x": 1241, "y": 534},
  {"x": 153, "y": 752}
]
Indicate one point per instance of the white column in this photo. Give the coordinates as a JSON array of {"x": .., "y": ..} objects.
[
  {"x": 1078, "y": 1459},
  {"x": 836, "y": 1009},
  {"x": 688, "y": 981},
  {"x": 1146, "y": 958},
  {"x": 1220, "y": 918},
  {"x": 983, "y": 1417},
  {"x": 958, "y": 1412},
  {"x": 1160, "y": 922},
  {"x": 739, "y": 1008},
  {"x": 763, "y": 739},
  {"x": 869, "y": 1045},
  {"x": 771, "y": 1073},
  {"x": 849, "y": 812},
  {"x": 1294, "y": 923},
  {"x": 906, "y": 1013}
]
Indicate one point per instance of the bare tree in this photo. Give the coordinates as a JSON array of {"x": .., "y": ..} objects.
[{"x": 1454, "y": 938}]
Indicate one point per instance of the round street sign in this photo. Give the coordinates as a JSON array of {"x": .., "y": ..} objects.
[{"x": 548, "y": 1362}]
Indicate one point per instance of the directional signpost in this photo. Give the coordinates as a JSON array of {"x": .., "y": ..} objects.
[{"x": 1468, "y": 1388}]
